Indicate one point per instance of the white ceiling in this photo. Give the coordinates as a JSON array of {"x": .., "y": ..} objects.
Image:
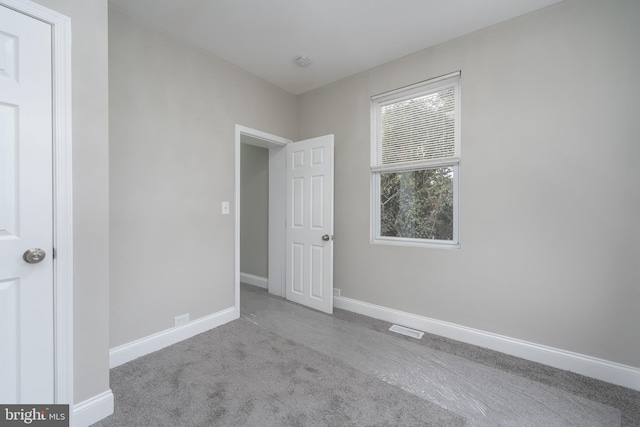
[{"x": 341, "y": 37}]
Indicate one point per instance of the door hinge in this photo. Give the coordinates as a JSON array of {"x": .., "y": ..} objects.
[{"x": 53, "y": 253}]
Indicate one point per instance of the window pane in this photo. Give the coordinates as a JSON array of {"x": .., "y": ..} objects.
[{"x": 417, "y": 204}]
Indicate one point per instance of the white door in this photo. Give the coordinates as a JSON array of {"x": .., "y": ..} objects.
[
  {"x": 26, "y": 218},
  {"x": 309, "y": 232}
]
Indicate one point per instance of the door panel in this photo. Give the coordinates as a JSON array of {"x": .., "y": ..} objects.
[
  {"x": 309, "y": 258},
  {"x": 297, "y": 268},
  {"x": 317, "y": 271},
  {"x": 26, "y": 218},
  {"x": 8, "y": 171},
  {"x": 8, "y": 332}
]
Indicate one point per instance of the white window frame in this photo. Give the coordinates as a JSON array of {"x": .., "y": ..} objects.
[{"x": 377, "y": 102}]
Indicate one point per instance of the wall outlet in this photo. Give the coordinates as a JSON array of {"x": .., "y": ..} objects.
[
  {"x": 181, "y": 320},
  {"x": 336, "y": 292},
  {"x": 225, "y": 208}
]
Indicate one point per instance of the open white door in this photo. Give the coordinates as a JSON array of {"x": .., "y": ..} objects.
[
  {"x": 26, "y": 210},
  {"x": 309, "y": 223}
]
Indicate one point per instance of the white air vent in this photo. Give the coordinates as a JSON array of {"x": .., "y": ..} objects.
[{"x": 406, "y": 331}]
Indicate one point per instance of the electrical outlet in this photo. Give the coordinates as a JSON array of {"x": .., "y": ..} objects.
[
  {"x": 181, "y": 320},
  {"x": 225, "y": 208},
  {"x": 336, "y": 292}
]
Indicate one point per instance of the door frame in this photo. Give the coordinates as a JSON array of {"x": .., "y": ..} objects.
[
  {"x": 62, "y": 194},
  {"x": 277, "y": 160}
]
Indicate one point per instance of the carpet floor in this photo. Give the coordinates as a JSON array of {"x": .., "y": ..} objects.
[
  {"x": 241, "y": 375},
  {"x": 282, "y": 364},
  {"x": 484, "y": 395}
]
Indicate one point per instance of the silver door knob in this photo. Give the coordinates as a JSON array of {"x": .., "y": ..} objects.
[
  {"x": 326, "y": 238},
  {"x": 34, "y": 255}
]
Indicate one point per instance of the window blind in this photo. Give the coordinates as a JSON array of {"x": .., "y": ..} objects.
[{"x": 417, "y": 126}]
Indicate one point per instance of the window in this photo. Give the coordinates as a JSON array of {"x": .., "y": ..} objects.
[{"x": 415, "y": 157}]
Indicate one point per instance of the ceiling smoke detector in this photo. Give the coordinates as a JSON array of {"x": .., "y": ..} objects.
[{"x": 303, "y": 61}]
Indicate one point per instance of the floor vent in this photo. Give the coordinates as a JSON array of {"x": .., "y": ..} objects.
[{"x": 406, "y": 331}]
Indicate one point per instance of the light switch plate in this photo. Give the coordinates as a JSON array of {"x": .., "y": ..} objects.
[{"x": 225, "y": 208}]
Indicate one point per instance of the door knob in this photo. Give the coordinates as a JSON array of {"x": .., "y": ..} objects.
[
  {"x": 326, "y": 238},
  {"x": 34, "y": 255}
]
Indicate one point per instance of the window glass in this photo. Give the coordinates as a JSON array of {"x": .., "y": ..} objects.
[{"x": 417, "y": 204}]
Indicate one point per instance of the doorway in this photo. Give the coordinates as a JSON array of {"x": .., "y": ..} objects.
[
  {"x": 274, "y": 145},
  {"x": 254, "y": 214},
  {"x": 301, "y": 187}
]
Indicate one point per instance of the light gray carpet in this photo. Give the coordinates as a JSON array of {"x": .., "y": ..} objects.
[
  {"x": 242, "y": 375},
  {"x": 485, "y": 396},
  {"x": 626, "y": 400}
]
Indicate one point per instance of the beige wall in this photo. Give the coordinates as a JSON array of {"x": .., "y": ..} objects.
[
  {"x": 549, "y": 177},
  {"x": 254, "y": 210},
  {"x": 90, "y": 193},
  {"x": 173, "y": 112}
]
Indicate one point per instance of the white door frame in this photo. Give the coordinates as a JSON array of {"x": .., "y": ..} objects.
[
  {"x": 62, "y": 194},
  {"x": 276, "y": 209}
]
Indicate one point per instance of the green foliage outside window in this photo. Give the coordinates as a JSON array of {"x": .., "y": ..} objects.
[{"x": 417, "y": 204}]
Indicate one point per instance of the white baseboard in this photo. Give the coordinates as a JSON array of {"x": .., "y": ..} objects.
[
  {"x": 251, "y": 279},
  {"x": 611, "y": 372},
  {"x": 93, "y": 409},
  {"x": 130, "y": 351}
]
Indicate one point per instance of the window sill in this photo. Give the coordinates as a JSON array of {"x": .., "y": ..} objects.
[{"x": 414, "y": 243}]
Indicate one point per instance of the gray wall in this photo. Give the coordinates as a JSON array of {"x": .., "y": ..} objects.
[
  {"x": 548, "y": 103},
  {"x": 173, "y": 112},
  {"x": 549, "y": 177},
  {"x": 254, "y": 210},
  {"x": 90, "y": 193}
]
